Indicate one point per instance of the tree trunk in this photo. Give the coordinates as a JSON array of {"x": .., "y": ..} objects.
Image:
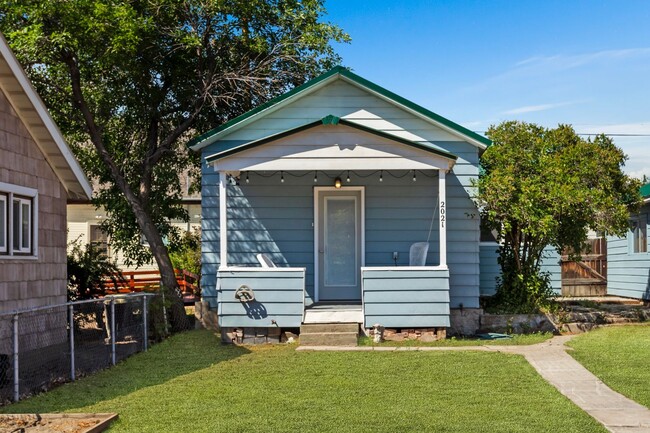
[{"x": 178, "y": 316}]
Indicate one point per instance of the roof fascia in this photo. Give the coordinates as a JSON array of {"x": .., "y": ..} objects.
[
  {"x": 46, "y": 119},
  {"x": 238, "y": 122},
  {"x": 327, "y": 120},
  {"x": 413, "y": 108},
  {"x": 274, "y": 104}
]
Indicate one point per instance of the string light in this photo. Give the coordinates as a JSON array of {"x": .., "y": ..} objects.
[{"x": 398, "y": 174}]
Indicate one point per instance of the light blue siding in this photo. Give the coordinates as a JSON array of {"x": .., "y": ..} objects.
[
  {"x": 404, "y": 298},
  {"x": 628, "y": 273},
  {"x": 267, "y": 216},
  {"x": 279, "y": 297},
  {"x": 490, "y": 269},
  {"x": 551, "y": 265}
]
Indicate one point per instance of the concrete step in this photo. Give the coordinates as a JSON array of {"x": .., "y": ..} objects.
[
  {"x": 314, "y": 328},
  {"x": 329, "y": 339}
]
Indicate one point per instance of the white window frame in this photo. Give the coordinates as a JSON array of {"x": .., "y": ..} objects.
[
  {"x": 23, "y": 247},
  {"x": 5, "y": 223},
  {"x": 639, "y": 226},
  {"x": 24, "y": 195}
]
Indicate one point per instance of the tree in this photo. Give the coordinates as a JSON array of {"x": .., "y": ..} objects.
[
  {"x": 90, "y": 271},
  {"x": 129, "y": 82},
  {"x": 544, "y": 187}
]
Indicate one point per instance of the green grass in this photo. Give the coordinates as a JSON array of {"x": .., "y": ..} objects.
[
  {"x": 618, "y": 355},
  {"x": 516, "y": 340},
  {"x": 192, "y": 383}
]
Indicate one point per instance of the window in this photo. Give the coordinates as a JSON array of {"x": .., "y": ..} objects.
[
  {"x": 640, "y": 234},
  {"x": 18, "y": 221},
  {"x": 21, "y": 223},
  {"x": 488, "y": 235},
  {"x": 99, "y": 239}
]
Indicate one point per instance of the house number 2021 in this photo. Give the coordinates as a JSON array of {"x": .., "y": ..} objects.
[{"x": 443, "y": 214}]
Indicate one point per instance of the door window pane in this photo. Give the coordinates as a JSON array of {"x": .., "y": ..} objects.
[{"x": 340, "y": 241}]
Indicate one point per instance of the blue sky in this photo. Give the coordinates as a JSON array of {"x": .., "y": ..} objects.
[{"x": 586, "y": 63}]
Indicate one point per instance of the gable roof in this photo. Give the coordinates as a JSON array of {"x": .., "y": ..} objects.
[
  {"x": 32, "y": 112},
  {"x": 327, "y": 120},
  {"x": 338, "y": 72},
  {"x": 645, "y": 190}
]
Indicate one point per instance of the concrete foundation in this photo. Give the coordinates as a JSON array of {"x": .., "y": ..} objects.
[
  {"x": 205, "y": 317},
  {"x": 465, "y": 321},
  {"x": 517, "y": 323}
]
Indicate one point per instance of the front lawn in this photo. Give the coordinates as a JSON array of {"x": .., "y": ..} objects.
[
  {"x": 192, "y": 383},
  {"x": 618, "y": 355},
  {"x": 514, "y": 340}
]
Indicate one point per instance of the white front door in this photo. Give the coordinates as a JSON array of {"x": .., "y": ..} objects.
[{"x": 339, "y": 241}]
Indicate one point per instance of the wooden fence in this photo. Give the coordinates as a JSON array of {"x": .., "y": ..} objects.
[
  {"x": 149, "y": 281},
  {"x": 587, "y": 277}
]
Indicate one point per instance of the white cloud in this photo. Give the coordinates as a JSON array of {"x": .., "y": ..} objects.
[
  {"x": 642, "y": 128},
  {"x": 639, "y": 174},
  {"x": 544, "y": 66},
  {"x": 534, "y": 108},
  {"x": 568, "y": 61}
]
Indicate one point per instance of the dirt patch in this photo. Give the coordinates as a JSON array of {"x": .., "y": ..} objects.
[{"x": 55, "y": 423}]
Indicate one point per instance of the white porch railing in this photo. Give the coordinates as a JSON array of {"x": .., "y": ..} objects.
[
  {"x": 405, "y": 297},
  {"x": 278, "y": 297}
]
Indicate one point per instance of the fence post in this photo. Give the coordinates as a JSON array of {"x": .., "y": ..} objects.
[
  {"x": 71, "y": 319},
  {"x": 145, "y": 322},
  {"x": 16, "y": 370},
  {"x": 113, "y": 355}
]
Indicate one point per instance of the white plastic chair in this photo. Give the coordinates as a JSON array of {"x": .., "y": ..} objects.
[
  {"x": 265, "y": 261},
  {"x": 418, "y": 254}
]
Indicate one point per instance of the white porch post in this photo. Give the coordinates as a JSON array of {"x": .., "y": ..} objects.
[
  {"x": 442, "y": 206},
  {"x": 223, "y": 221}
]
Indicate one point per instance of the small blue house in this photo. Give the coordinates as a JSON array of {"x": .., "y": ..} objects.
[
  {"x": 628, "y": 258},
  {"x": 316, "y": 198}
]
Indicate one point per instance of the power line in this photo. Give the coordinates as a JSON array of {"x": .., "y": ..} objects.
[{"x": 614, "y": 134}]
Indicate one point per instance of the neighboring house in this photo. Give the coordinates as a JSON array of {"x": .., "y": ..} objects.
[
  {"x": 335, "y": 181},
  {"x": 84, "y": 221},
  {"x": 628, "y": 258},
  {"x": 38, "y": 174}
]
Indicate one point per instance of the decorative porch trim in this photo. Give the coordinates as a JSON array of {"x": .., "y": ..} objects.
[
  {"x": 442, "y": 211},
  {"x": 328, "y": 120},
  {"x": 223, "y": 220}
]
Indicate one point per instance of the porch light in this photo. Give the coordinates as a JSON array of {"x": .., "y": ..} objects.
[
  {"x": 414, "y": 179},
  {"x": 247, "y": 180},
  {"x": 282, "y": 177},
  {"x": 337, "y": 183},
  {"x": 381, "y": 176},
  {"x": 347, "y": 179},
  {"x": 315, "y": 177}
]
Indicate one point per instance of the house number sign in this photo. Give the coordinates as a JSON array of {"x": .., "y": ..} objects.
[{"x": 443, "y": 214}]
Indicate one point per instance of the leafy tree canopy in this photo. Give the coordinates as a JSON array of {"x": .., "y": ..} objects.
[
  {"x": 130, "y": 81},
  {"x": 542, "y": 187}
]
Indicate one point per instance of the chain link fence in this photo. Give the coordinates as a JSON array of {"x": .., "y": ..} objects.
[{"x": 53, "y": 344}]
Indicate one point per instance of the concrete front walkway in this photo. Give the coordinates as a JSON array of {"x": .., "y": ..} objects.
[{"x": 617, "y": 413}]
